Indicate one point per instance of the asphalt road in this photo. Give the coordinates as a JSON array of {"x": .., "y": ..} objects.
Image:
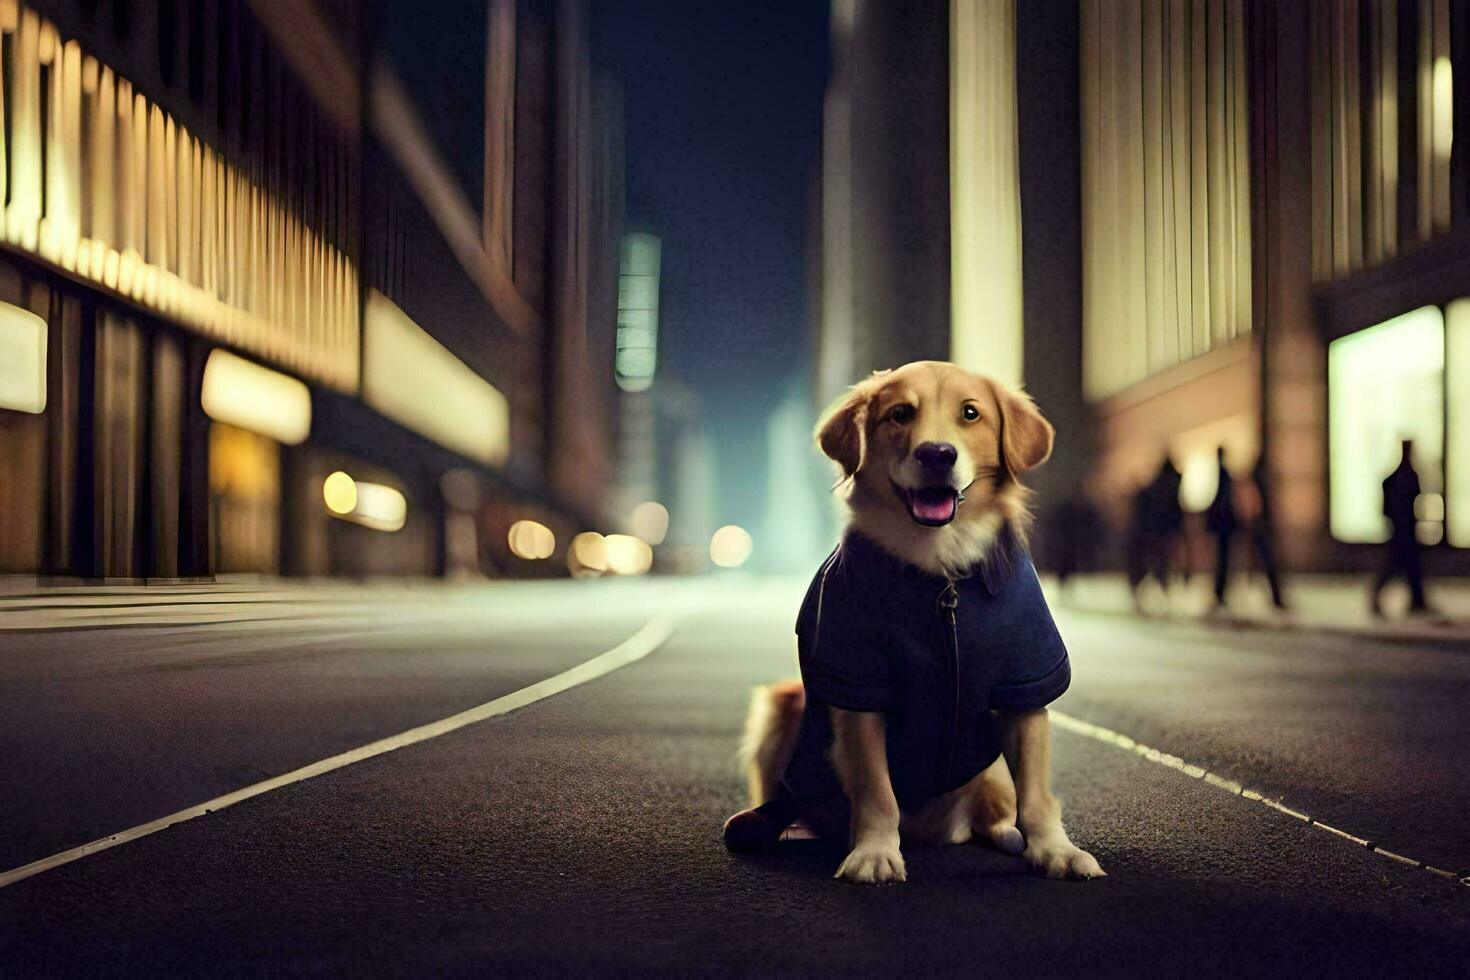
[{"x": 581, "y": 834}]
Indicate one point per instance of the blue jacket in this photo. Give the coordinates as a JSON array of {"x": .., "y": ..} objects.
[{"x": 877, "y": 634}]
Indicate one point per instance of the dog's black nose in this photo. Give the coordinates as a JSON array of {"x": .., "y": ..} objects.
[{"x": 935, "y": 455}]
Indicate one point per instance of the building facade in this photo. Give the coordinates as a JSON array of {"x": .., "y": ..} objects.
[
  {"x": 280, "y": 297},
  {"x": 1232, "y": 224},
  {"x": 950, "y": 203},
  {"x": 1314, "y": 193}
]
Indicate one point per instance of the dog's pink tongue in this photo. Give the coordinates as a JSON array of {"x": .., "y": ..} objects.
[{"x": 933, "y": 507}]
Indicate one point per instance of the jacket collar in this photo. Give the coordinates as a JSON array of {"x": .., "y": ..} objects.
[{"x": 995, "y": 572}]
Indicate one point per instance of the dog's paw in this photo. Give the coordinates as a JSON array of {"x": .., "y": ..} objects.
[
  {"x": 873, "y": 864},
  {"x": 1062, "y": 860},
  {"x": 1007, "y": 840}
]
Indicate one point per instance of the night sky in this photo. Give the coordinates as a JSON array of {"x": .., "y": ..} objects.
[{"x": 724, "y": 110}]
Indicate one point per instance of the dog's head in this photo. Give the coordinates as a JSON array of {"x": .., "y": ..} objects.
[{"x": 935, "y": 442}]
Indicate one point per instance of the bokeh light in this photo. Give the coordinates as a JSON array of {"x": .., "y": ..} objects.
[
  {"x": 380, "y": 508},
  {"x": 730, "y": 546},
  {"x": 340, "y": 493},
  {"x": 587, "y": 556},
  {"x": 1199, "y": 480},
  {"x": 651, "y": 522},
  {"x": 531, "y": 540},
  {"x": 627, "y": 555},
  {"x": 372, "y": 505},
  {"x": 245, "y": 394}
]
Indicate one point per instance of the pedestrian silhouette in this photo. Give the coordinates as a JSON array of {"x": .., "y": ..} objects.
[
  {"x": 1222, "y": 522},
  {"x": 1263, "y": 528},
  {"x": 1074, "y": 530},
  {"x": 1158, "y": 520},
  {"x": 1400, "y": 490}
]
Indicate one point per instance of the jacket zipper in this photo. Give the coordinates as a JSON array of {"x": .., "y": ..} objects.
[{"x": 949, "y": 600}]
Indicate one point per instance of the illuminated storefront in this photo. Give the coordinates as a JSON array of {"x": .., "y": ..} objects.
[
  {"x": 1457, "y": 428},
  {"x": 411, "y": 377},
  {"x": 1168, "y": 361},
  {"x": 106, "y": 185},
  {"x": 1183, "y": 234},
  {"x": 232, "y": 264},
  {"x": 23, "y": 339},
  {"x": 1270, "y": 269},
  {"x": 1386, "y": 385},
  {"x": 1407, "y": 378}
]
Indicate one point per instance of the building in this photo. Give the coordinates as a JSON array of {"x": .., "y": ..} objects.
[
  {"x": 664, "y": 487},
  {"x": 302, "y": 288},
  {"x": 931, "y": 156},
  {"x": 1237, "y": 223}
]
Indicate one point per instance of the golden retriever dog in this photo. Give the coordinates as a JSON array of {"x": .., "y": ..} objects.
[{"x": 928, "y": 655}]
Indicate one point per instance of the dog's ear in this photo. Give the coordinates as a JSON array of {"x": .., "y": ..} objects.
[
  {"x": 842, "y": 432},
  {"x": 1025, "y": 437}
]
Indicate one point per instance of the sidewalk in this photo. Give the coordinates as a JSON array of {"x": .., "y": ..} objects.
[
  {"x": 28, "y": 607},
  {"x": 1322, "y": 603}
]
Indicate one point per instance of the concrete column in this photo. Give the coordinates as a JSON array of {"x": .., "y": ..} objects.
[
  {"x": 1050, "y": 151},
  {"x": 193, "y": 493},
  {"x": 1291, "y": 356},
  {"x": 885, "y": 241}
]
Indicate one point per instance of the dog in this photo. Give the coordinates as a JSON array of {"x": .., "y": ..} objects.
[{"x": 928, "y": 654}]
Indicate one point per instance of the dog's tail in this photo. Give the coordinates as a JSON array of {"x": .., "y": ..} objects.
[{"x": 770, "y": 736}]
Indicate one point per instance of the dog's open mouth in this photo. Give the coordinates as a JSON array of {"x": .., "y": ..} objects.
[{"x": 931, "y": 506}]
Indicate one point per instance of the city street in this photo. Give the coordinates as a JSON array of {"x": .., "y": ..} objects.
[
  {"x": 580, "y": 832},
  {"x": 420, "y": 421}
]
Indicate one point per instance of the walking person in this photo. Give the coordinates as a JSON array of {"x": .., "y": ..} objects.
[
  {"x": 1222, "y": 522},
  {"x": 1400, "y": 490},
  {"x": 1257, "y": 509},
  {"x": 1139, "y": 546},
  {"x": 1158, "y": 520},
  {"x": 1263, "y": 531}
]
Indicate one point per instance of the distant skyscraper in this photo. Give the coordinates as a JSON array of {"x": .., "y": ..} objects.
[
  {"x": 635, "y": 362},
  {"x": 798, "y": 523},
  {"x": 693, "y": 490},
  {"x": 637, "y": 341}
]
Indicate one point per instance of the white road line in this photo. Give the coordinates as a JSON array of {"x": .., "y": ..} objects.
[
  {"x": 648, "y": 639},
  {"x": 1121, "y": 741}
]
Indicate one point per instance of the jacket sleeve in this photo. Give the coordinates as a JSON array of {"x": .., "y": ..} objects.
[
  {"x": 841, "y": 640},
  {"x": 1038, "y": 692},
  {"x": 1037, "y": 669}
]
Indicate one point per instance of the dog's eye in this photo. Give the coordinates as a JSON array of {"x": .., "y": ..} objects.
[
  {"x": 902, "y": 414},
  {"x": 969, "y": 413}
]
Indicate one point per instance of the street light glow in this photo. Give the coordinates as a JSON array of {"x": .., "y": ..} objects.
[
  {"x": 730, "y": 546},
  {"x": 372, "y": 505},
  {"x": 379, "y": 507},
  {"x": 531, "y": 540},
  {"x": 587, "y": 556},
  {"x": 245, "y": 394},
  {"x": 651, "y": 522},
  {"x": 1442, "y": 125},
  {"x": 340, "y": 493},
  {"x": 627, "y": 555},
  {"x": 413, "y": 378}
]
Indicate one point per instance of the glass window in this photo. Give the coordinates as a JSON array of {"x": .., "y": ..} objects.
[
  {"x": 22, "y": 360},
  {"x": 637, "y": 340},
  {"x": 1457, "y": 387},
  {"x": 1385, "y": 384}
]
